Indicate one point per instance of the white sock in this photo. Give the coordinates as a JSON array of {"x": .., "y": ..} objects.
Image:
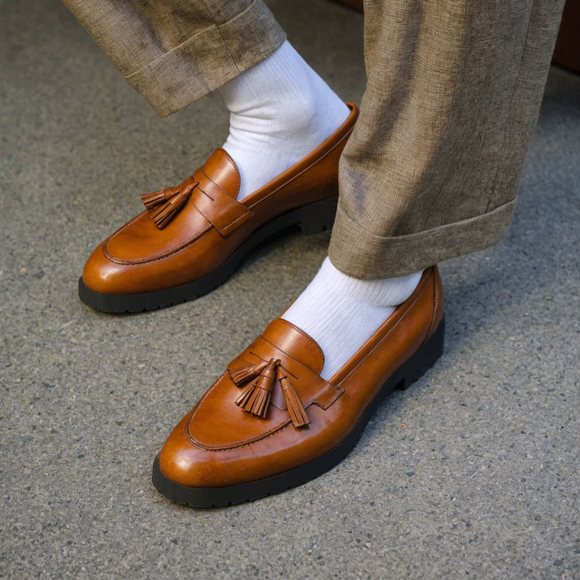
[
  {"x": 280, "y": 111},
  {"x": 341, "y": 313}
]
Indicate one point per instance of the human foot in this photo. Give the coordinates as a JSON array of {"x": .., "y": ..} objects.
[
  {"x": 272, "y": 422},
  {"x": 193, "y": 236}
]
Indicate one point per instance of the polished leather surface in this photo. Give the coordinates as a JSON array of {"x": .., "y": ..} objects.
[
  {"x": 218, "y": 444},
  {"x": 142, "y": 257}
]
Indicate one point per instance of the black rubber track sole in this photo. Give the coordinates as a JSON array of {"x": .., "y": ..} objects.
[
  {"x": 311, "y": 219},
  {"x": 409, "y": 372}
]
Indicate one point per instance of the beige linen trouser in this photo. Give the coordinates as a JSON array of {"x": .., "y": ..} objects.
[{"x": 435, "y": 161}]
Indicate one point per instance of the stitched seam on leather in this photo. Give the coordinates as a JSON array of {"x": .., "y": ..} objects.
[
  {"x": 346, "y": 135},
  {"x": 238, "y": 176},
  {"x": 157, "y": 257},
  {"x": 205, "y": 395},
  {"x": 231, "y": 224},
  {"x": 339, "y": 391},
  {"x": 123, "y": 227},
  {"x": 338, "y": 394},
  {"x": 247, "y": 442},
  {"x": 383, "y": 339}
]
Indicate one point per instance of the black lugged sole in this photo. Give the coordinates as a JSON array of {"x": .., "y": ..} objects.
[
  {"x": 409, "y": 372},
  {"x": 311, "y": 219}
]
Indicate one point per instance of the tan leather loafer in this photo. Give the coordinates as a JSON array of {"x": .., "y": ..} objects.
[
  {"x": 191, "y": 238},
  {"x": 270, "y": 422}
]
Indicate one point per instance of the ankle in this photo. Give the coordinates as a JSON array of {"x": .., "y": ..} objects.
[
  {"x": 341, "y": 313},
  {"x": 280, "y": 111}
]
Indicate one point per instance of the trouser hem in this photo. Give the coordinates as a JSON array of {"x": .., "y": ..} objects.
[
  {"x": 361, "y": 254},
  {"x": 208, "y": 60}
]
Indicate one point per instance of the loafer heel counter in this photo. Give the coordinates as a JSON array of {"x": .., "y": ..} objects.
[
  {"x": 438, "y": 301},
  {"x": 424, "y": 358}
]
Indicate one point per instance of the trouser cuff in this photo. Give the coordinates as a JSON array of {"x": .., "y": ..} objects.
[
  {"x": 208, "y": 59},
  {"x": 361, "y": 254}
]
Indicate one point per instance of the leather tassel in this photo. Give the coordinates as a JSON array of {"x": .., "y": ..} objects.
[
  {"x": 256, "y": 398},
  {"x": 164, "y": 205},
  {"x": 155, "y": 199},
  {"x": 294, "y": 405},
  {"x": 241, "y": 375},
  {"x": 164, "y": 214}
]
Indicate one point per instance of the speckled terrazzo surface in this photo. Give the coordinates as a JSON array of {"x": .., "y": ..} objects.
[{"x": 473, "y": 472}]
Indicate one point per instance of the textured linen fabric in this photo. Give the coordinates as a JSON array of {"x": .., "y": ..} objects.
[
  {"x": 435, "y": 161},
  {"x": 174, "y": 52}
]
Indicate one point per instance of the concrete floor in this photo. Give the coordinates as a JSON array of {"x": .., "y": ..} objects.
[{"x": 474, "y": 472}]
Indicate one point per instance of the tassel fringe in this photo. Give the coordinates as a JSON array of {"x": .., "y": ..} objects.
[
  {"x": 152, "y": 200},
  {"x": 164, "y": 205},
  {"x": 164, "y": 214},
  {"x": 295, "y": 407},
  {"x": 242, "y": 375},
  {"x": 256, "y": 398}
]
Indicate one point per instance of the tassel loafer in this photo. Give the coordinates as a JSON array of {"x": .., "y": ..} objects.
[
  {"x": 271, "y": 422},
  {"x": 191, "y": 238}
]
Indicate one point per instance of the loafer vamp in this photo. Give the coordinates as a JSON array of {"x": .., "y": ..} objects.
[{"x": 140, "y": 241}]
